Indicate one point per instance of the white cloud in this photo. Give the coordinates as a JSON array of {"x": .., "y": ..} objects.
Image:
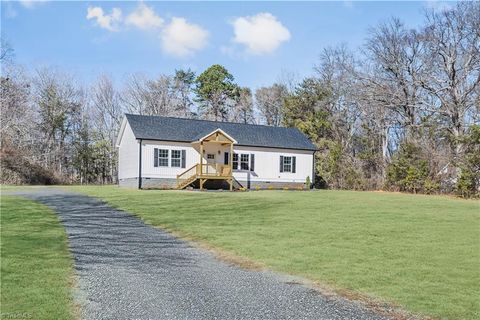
[
  {"x": 144, "y": 17},
  {"x": 261, "y": 34},
  {"x": 181, "y": 38},
  {"x": 106, "y": 21},
  {"x": 30, "y": 4}
]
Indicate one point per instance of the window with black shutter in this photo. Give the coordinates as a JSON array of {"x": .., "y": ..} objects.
[
  {"x": 252, "y": 162},
  {"x": 287, "y": 164}
]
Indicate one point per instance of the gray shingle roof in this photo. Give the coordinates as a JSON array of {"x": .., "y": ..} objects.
[{"x": 188, "y": 130}]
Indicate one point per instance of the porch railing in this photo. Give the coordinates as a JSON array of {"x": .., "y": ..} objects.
[
  {"x": 215, "y": 169},
  {"x": 206, "y": 169}
]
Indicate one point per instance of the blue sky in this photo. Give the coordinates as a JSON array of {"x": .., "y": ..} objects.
[{"x": 255, "y": 41}]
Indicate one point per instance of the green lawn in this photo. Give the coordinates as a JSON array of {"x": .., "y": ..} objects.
[
  {"x": 420, "y": 252},
  {"x": 36, "y": 267}
]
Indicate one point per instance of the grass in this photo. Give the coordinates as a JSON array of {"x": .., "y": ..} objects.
[
  {"x": 36, "y": 267},
  {"x": 419, "y": 252}
]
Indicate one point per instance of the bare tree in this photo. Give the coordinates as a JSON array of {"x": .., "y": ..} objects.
[
  {"x": 107, "y": 118},
  {"x": 242, "y": 110},
  {"x": 270, "y": 102},
  {"x": 154, "y": 97},
  {"x": 15, "y": 111},
  {"x": 6, "y": 51},
  {"x": 397, "y": 55},
  {"x": 58, "y": 99},
  {"x": 452, "y": 41}
]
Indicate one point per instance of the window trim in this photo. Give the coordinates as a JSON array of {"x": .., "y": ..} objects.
[
  {"x": 179, "y": 158},
  {"x": 287, "y": 164},
  {"x": 160, "y": 158},
  {"x": 245, "y": 162},
  {"x": 235, "y": 162}
]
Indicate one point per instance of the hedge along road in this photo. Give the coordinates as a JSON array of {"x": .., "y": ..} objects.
[{"x": 129, "y": 270}]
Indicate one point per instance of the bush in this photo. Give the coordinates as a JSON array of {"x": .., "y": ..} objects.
[
  {"x": 409, "y": 170},
  {"x": 431, "y": 186}
]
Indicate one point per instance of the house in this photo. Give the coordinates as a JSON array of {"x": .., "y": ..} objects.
[{"x": 166, "y": 152}]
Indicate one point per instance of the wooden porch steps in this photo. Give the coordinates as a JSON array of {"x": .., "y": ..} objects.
[{"x": 185, "y": 183}]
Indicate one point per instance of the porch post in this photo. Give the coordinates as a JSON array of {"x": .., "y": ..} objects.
[
  {"x": 230, "y": 160},
  {"x": 201, "y": 157},
  {"x": 231, "y": 166}
]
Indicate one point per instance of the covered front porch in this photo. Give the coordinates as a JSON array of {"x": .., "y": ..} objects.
[{"x": 215, "y": 161}]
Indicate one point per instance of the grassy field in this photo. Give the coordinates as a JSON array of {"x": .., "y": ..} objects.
[
  {"x": 420, "y": 252},
  {"x": 36, "y": 268}
]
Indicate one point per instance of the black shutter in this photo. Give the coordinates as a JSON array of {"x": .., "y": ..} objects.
[
  {"x": 281, "y": 163},
  {"x": 252, "y": 162},
  {"x": 225, "y": 160},
  {"x": 155, "y": 157},
  {"x": 183, "y": 158},
  {"x": 294, "y": 162}
]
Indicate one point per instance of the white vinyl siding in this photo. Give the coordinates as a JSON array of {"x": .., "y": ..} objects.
[
  {"x": 267, "y": 165},
  {"x": 170, "y": 171},
  {"x": 128, "y": 154},
  {"x": 266, "y": 161}
]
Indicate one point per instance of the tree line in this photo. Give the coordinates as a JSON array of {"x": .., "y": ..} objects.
[{"x": 402, "y": 112}]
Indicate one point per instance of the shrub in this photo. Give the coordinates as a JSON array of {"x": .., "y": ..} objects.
[
  {"x": 408, "y": 170},
  {"x": 431, "y": 186}
]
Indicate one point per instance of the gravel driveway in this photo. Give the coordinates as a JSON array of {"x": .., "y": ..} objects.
[{"x": 128, "y": 270}]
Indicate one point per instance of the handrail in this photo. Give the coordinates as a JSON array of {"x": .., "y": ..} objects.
[
  {"x": 187, "y": 174},
  {"x": 181, "y": 174}
]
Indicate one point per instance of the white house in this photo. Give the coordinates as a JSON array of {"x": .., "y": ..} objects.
[{"x": 166, "y": 152}]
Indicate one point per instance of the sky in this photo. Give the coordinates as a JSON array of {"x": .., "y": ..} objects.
[{"x": 258, "y": 42}]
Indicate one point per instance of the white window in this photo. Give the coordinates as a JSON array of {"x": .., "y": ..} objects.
[
  {"x": 287, "y": 164},
  {"x": 244, "y": 158},
  {"x": 176, "y": 160},
  {"x": 235, "y": 161},
  {"x": 210, "y": 156},
  {"x": 162, "y": 157}
]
